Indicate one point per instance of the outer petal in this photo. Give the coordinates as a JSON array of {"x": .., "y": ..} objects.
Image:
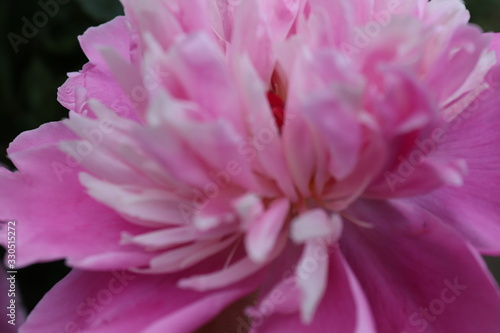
[
  {"x": 418, "y": 273},
  {"x": 405, "y": 111},
  {"x": 495, "y": 44},
  {"x": 128, "y": 303},
  {"x": 115, "y": 34},
  {"x": 457, "y": 61},
  {"x": 99, "y": 84},
  {"x": 53, "y": 211},
  {"x": 473, "y": 208},
  {"x": 95, "y": 80}
]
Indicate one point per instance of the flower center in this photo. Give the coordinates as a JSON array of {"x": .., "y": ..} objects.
[
  {"x": 277, "y": 107},
  {"x": 276, "y": 97}
]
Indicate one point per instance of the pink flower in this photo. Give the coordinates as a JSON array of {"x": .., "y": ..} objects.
[{"x": 334, "y": 162}]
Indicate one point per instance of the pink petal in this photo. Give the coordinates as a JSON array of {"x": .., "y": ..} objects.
[
  {"x": 280, "y": 16},
  {"x": 473, "y": 208},
  {"x": 344, "y": 309},
  {"x": 94, "y": 82},
  {"x": 95, "y": 79},
  {"x": 46, "y": 195},
  {"x": 129, "y": 79},
  {"x": 297, "y": 142},
  {"x": 412, "y": 178},
  {"x": 313, "y": 141},
  {"x": 333, "y": 20},
  {"x": 186, "y": 256},
  {"x": 495, "y": 44},
  {"x": 281, "y": 269},
  {"x": 114, "y": 154},
  {"x": 251, "y": 36},
  {"x": 175, "y": 19},
  {"x": 115, "y": 34},
  {"x": 101, "y": 302},
  {"x": 266, "y": 148},
  {"x": 263, "y": 233},
  {"x": 363, "y": 10},
  {"x": 222, "y": 19},
  {"x": 145, "y": 19},
  {"x": 219, "y": 146},
  {"x": 192, "y": 16},
  {"x": 336, "y": 124},
  {"x": 236, "y": 272},
  {"x": 181, "y": 163},
  {"x": 153, "y": 205},
  {"x": 195, "y": 60},
  {"x": 457, "y": 61},
  {"x": 418, "y": 273}
]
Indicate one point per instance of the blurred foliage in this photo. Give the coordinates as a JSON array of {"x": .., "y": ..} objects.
[
  {"x": 486, "y": 13},
  {"x": 29, "y": 80}
]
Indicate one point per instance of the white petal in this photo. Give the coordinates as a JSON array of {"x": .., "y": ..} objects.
[
  {"x": 312, "y": 275},
  {"x": 316, "y": 223}
]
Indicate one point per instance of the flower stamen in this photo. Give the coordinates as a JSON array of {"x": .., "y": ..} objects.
[{"x": 354, "y": 220}]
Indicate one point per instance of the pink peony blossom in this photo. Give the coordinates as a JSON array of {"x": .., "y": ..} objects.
[{"x": 330, "y": 164}]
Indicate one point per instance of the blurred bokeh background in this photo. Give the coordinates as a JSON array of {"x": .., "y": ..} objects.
[{"x": 31, "y": 74}]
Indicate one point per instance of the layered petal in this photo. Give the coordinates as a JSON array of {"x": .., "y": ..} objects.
[
  {"x": 53, "y": 211},
  {"x": 472, "y": 208},
  {"x": 219, "y": 148},
  {"x": 418, "y": 273},
  {"x": 263, "y": 233},
  {"x": 344, "y": 308},
  {"x": 96, "y": 80},
  {"x": 495, "y": 44},
  {"x": 122, "y": 301}
]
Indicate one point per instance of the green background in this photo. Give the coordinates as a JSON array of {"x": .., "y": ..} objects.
[{"x": 29, "y": 80}]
